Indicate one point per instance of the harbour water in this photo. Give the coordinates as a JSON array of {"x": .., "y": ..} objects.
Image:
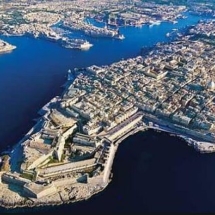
[{"x": 152, "y": 172}]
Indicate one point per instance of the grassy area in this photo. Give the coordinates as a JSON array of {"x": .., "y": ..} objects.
[
  {"x": 63, "y": 157},
  {"x": 53, "y": 160},
  {"x": 27, "y": 176}
]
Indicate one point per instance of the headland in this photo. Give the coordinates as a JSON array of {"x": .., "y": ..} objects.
[
  {"x": 68, "y": 155},
  {"x": 6, "y": 47}
]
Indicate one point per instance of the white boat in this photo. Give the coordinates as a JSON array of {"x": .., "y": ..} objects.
[
  {"x": 76, "y": 44},
  {"x": 154, "y": 23},
  {"x": 121, "y": 37},
  {"x": 86, "y": 45}
]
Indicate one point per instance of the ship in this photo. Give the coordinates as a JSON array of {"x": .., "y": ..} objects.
[
  {"x": 85, "y": 45},
  {"x": 168, "y": 34},
  {"x": 76, "y": 44},
  {"x": 120, "y": 36},
  {"x": 152, "y": 23}
]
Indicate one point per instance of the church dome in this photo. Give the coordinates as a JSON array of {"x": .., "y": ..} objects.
[{"x": 211, "y": 85}]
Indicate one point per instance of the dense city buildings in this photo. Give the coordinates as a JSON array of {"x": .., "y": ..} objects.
[
  {"x": 50, "y": 20},
  {"x": 68, "y": 154}
]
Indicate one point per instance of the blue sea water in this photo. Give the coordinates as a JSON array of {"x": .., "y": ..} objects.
[{"x": 167, "y": 173}]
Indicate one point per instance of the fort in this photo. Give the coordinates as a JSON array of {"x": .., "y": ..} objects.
[{"x": 68, "y": 154}]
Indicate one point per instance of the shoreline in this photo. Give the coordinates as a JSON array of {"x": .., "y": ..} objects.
[
  {"x": 6, "y": 47},
  {"x": 104, "y": 178},
  {"x": 61, "y": 132},
  {"x": 29, "y": 203}
]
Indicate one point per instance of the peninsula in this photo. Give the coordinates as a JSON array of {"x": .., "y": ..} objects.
[
  {"x": 68, "y": 155},
  {"x": 6, "y": 47}
]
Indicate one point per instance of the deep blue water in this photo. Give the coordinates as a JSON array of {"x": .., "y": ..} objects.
[{"x": 151, "y": 172}]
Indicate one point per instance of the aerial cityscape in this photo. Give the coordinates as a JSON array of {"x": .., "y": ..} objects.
[{"x": 68, "y": 154}]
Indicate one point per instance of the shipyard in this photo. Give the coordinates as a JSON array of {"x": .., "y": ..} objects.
[{"x": 67, "y": 156}]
